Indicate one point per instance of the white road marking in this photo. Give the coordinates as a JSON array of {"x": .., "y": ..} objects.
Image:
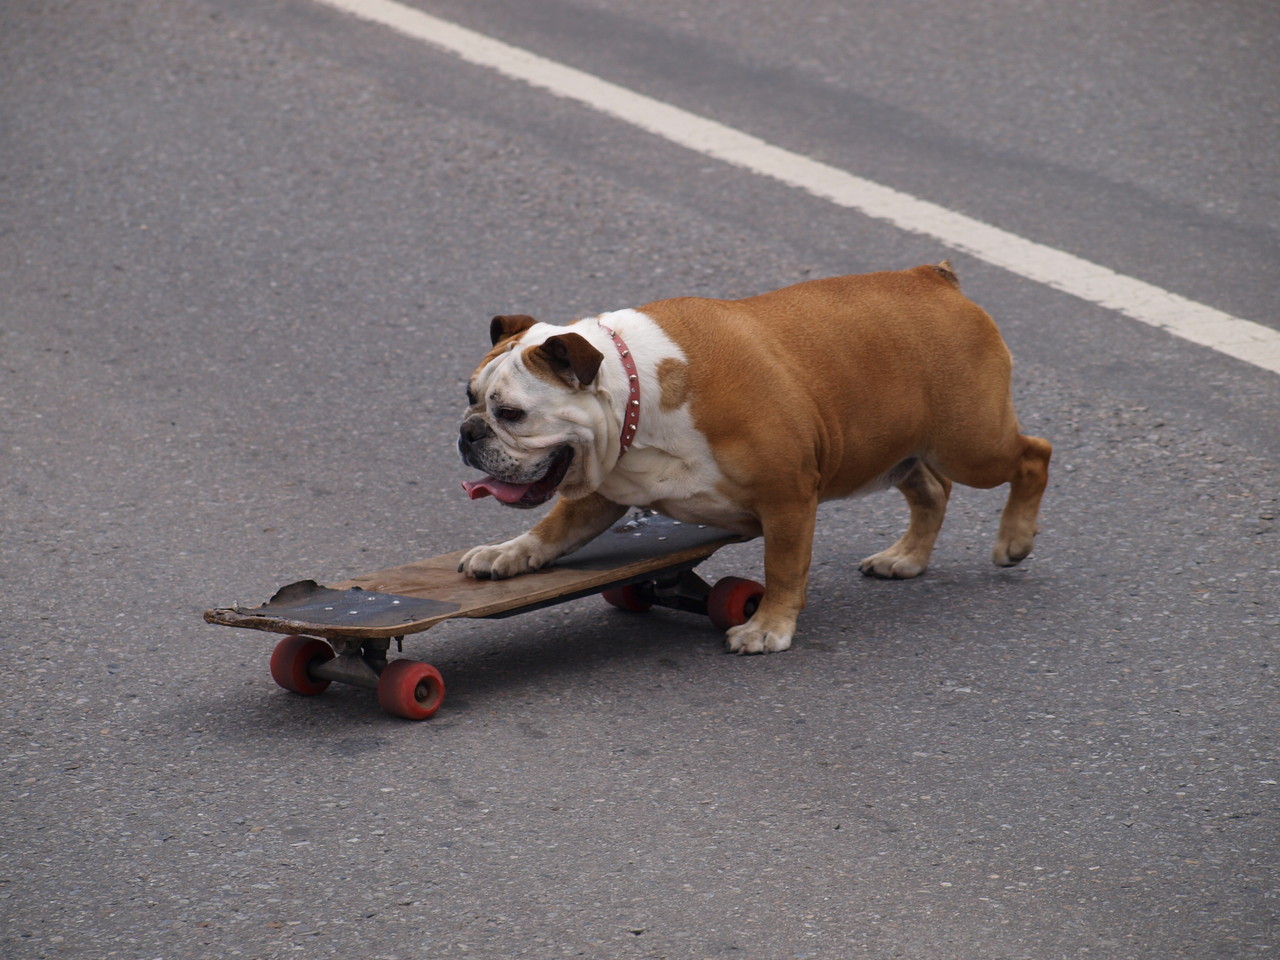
[{"x": 1196, "y": 322}]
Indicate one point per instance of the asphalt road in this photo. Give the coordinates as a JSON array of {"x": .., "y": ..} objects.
[{"x": 248, "y": 251}]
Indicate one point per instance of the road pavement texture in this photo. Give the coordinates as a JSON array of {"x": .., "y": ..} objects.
[{"x": 249, "y": 252}]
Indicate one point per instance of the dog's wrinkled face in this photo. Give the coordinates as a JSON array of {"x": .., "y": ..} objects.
[{"x": 535, "y": 415}]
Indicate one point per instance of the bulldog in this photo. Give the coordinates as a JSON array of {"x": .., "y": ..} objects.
[{"x": 746, "y": 414}]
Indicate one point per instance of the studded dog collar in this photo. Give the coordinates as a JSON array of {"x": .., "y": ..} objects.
[{"x": 631, "y": 421}]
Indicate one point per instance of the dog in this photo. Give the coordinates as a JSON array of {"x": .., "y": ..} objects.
[{"x": 746, "y": 414}]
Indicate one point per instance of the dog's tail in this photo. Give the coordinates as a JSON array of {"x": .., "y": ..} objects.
[{"x": 947, "y": 273}]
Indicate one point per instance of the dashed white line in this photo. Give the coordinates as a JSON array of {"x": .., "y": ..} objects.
[{"x": 1200, "y": 324}]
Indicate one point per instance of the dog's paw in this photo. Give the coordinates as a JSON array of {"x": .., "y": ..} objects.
[
  {"x": 753, "y": 637},
  {"x": 1012, "y": 548},
  {"x": 1010, "y": 554},
  {"x": 893, "y": 564},
  {"x": 499, "y": 561}
]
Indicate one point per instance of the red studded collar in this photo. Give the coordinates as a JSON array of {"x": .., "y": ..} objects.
[{"x": 631, "y": 420}]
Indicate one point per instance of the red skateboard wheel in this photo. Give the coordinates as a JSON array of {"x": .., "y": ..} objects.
[
  {"x": 410, "y": 689},
  {"x": 732, "y": 601},
  {"x": 290, "y": 660},
  {"x": 627, "y": 598}
]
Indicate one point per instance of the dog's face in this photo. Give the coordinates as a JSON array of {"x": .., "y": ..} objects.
[{"x": 535, "y": 421}]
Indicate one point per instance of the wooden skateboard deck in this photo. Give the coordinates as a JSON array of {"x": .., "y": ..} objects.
[{"x": 643, "y": 561}]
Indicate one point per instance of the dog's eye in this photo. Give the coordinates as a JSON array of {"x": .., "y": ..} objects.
[
  {"x": 509, "y": 414},
  {"x": 471, "y": 397}
]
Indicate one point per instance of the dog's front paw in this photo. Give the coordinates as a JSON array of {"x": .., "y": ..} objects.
[
  {"x": 499, "y": 561},
  {"x": 755, "y": 636}
]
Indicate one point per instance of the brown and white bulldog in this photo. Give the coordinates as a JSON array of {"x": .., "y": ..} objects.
[{"x": 746, "y": 414}]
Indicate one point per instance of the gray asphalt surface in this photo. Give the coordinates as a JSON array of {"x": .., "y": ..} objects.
[{"x": 248, "y": 253}]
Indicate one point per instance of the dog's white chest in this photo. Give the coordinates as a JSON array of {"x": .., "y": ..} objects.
[{"x": 683, "y": 483}]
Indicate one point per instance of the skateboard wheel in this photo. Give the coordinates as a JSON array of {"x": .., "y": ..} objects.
[
  {"x": 290, "y": 660},
  {"x": 410, "y": 689},
  {"x": 628, "y": 598},
  {"x": 732, "y": 601}
]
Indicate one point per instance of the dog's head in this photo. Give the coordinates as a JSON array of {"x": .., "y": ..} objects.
[{"x": 536, "y": 420}]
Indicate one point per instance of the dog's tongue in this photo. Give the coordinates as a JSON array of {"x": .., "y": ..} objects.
[{"x": 493, "y": 487}]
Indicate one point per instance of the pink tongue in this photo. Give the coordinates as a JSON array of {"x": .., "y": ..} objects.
[{"x": 491, "y": 486}]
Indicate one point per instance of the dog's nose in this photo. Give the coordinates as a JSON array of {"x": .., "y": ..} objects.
[{"x": 473, "y": 430}]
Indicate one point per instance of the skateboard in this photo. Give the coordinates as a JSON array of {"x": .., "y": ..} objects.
[{"x": 343, "y": 633}]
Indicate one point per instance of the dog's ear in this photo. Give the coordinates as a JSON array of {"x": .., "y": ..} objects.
[
  {"x": 504, "y": 328},
  {"x": 568, "y": 357}
]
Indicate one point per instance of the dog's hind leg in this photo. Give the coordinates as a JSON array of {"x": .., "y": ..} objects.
[
  {"x": 1026, "y": 486},
  {"x": 1023, "y": 463},
  {"x": 927, "y": 492}
]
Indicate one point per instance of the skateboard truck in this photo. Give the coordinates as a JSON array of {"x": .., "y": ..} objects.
[
  {"x": 358, "y": 663},
  {"x": 727, "y": 603}
]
